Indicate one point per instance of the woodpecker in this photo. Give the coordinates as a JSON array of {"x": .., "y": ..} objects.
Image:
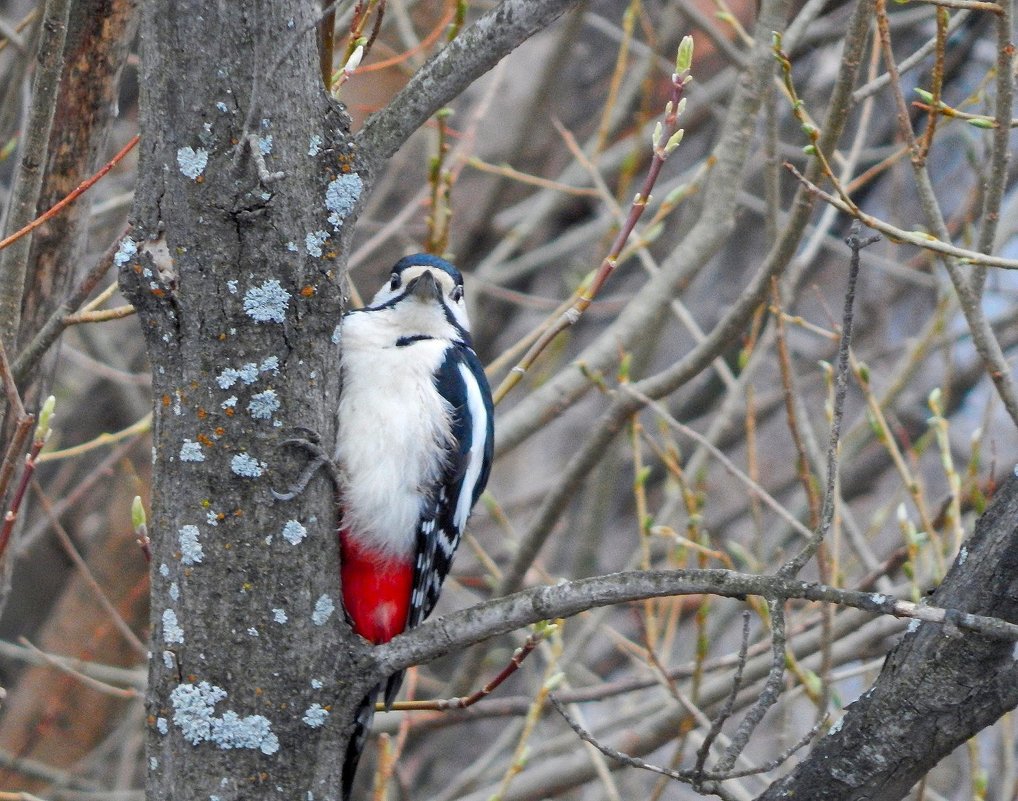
[{"x": 413, "y": 453}]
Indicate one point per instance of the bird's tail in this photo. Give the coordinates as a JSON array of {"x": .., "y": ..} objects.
[
  {"x": 392, "y": 685},
  {"x": 361, "y": 727}
]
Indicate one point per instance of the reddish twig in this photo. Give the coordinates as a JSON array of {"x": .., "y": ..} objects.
[
  {"x": 359, "y": 45},
  {"x": 667, "y": 136},
  {"x": 73, "y": 195},
  {"x": 425, "y": 43},
  {"x": 42, "y": 432},
  {"x": 465, "y": 701},
  {"x": 18, "y": 439},
  {"x": 926, "y": 142}
]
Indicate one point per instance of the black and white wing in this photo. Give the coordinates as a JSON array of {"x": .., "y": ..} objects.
[{"x": 461, "y": 381}]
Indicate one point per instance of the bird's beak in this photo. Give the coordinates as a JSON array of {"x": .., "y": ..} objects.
[{"x": 424, "y": 287}]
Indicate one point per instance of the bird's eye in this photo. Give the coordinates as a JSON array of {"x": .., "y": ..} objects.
[
  {"x": 394, "y": 281},
  {"x": 457, "y": 293}
]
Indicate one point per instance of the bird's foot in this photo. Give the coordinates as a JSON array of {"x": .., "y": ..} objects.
[{"x": 319, "y": 460}]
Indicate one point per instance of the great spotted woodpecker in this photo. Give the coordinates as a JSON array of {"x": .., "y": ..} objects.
[{"x": 413, "y": 452}]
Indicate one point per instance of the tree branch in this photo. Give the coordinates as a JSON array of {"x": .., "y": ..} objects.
[
  {"x": 483, "y": 621},
  {"x": 28, "y": 184},
  {"x": 471, "y": 54}
]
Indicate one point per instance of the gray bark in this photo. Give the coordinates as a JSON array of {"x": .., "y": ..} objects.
[
  {"x": 239, "y": 307},
  {"x": 938, "y": 688},
  {"x": 223, "y": 282}
]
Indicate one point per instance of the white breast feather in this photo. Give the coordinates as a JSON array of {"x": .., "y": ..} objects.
[{"x": 394, "y": 431}]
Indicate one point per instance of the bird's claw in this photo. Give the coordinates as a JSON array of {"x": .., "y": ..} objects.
[{"x": 319, "y": 460}]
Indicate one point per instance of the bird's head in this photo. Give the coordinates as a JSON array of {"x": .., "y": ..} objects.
[{"x": 422, "y": 285}]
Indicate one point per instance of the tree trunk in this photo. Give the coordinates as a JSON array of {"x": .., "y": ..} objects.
[
  {"x": 237, "y": 270},
  {"x": 239, "y": 315}
]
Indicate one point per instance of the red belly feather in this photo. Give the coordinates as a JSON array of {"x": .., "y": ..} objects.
[{"x": 376, "y": 590}]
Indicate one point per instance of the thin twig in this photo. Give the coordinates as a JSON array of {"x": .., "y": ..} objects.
[
  {"x": 768, "y": 696},
  {"x": 918, "y": 57},
  {"x": 918, "y": 238},
  {"x": 969, "y": 291},
  {"x": 23, "y": 23},
  {"x": 794, "y": 565},
  {"x": 726, "y": 709},
  {"x": 978, "y": 120},
  {"x": 101, "y": 316},
  {"x": 781, "y": 758},
  {"x": 71, "y": 196},
  {"x": 88, "y": 681},
  {"x": 463, "y": 702},
  {"x": 10, "y": 518},
  {"x": 22, "y": 424},
  {"x": 54, "y": 326},
  {"x": 806, "y": 477},
  {"x": 142, "y": 426},
  {"x": 937, "y": 82},
  {"x": 109, "y": 674},
  {"x": 684, "y": 776},
  {"x": 1000, "y": 153},
  {"x": 970, "y": 5},
  {"x": 33, "y": 158},
  {"x": 725, "y": 462},
  {"x": 86, "y": 574},
  {"x": 666, "y": 138},
  {"x": 506, "y": 171}
]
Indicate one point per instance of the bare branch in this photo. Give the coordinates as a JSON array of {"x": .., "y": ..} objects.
[
  {"x": 684, "y": 776},
  {"x": 483, "y": 621},
  {"x": 471, "y": 54},
  {"x": 797, "y": 563},
  {"x": 14, "y": 259}
]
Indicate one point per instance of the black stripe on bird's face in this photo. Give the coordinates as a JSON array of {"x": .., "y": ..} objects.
[{"x": 410, "y": 271}]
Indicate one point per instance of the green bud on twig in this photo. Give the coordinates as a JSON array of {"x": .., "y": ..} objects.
[
  {"x": 624, "y": 367},
  {"x": 924, "y": 95},
  {"x": 684, "y": 58},
  {"x": 43, "y": 430},
  {"x": 673, "y": 140},
  {"x": 982, "y": 122},
  {"x": 137, "y": 513}
]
